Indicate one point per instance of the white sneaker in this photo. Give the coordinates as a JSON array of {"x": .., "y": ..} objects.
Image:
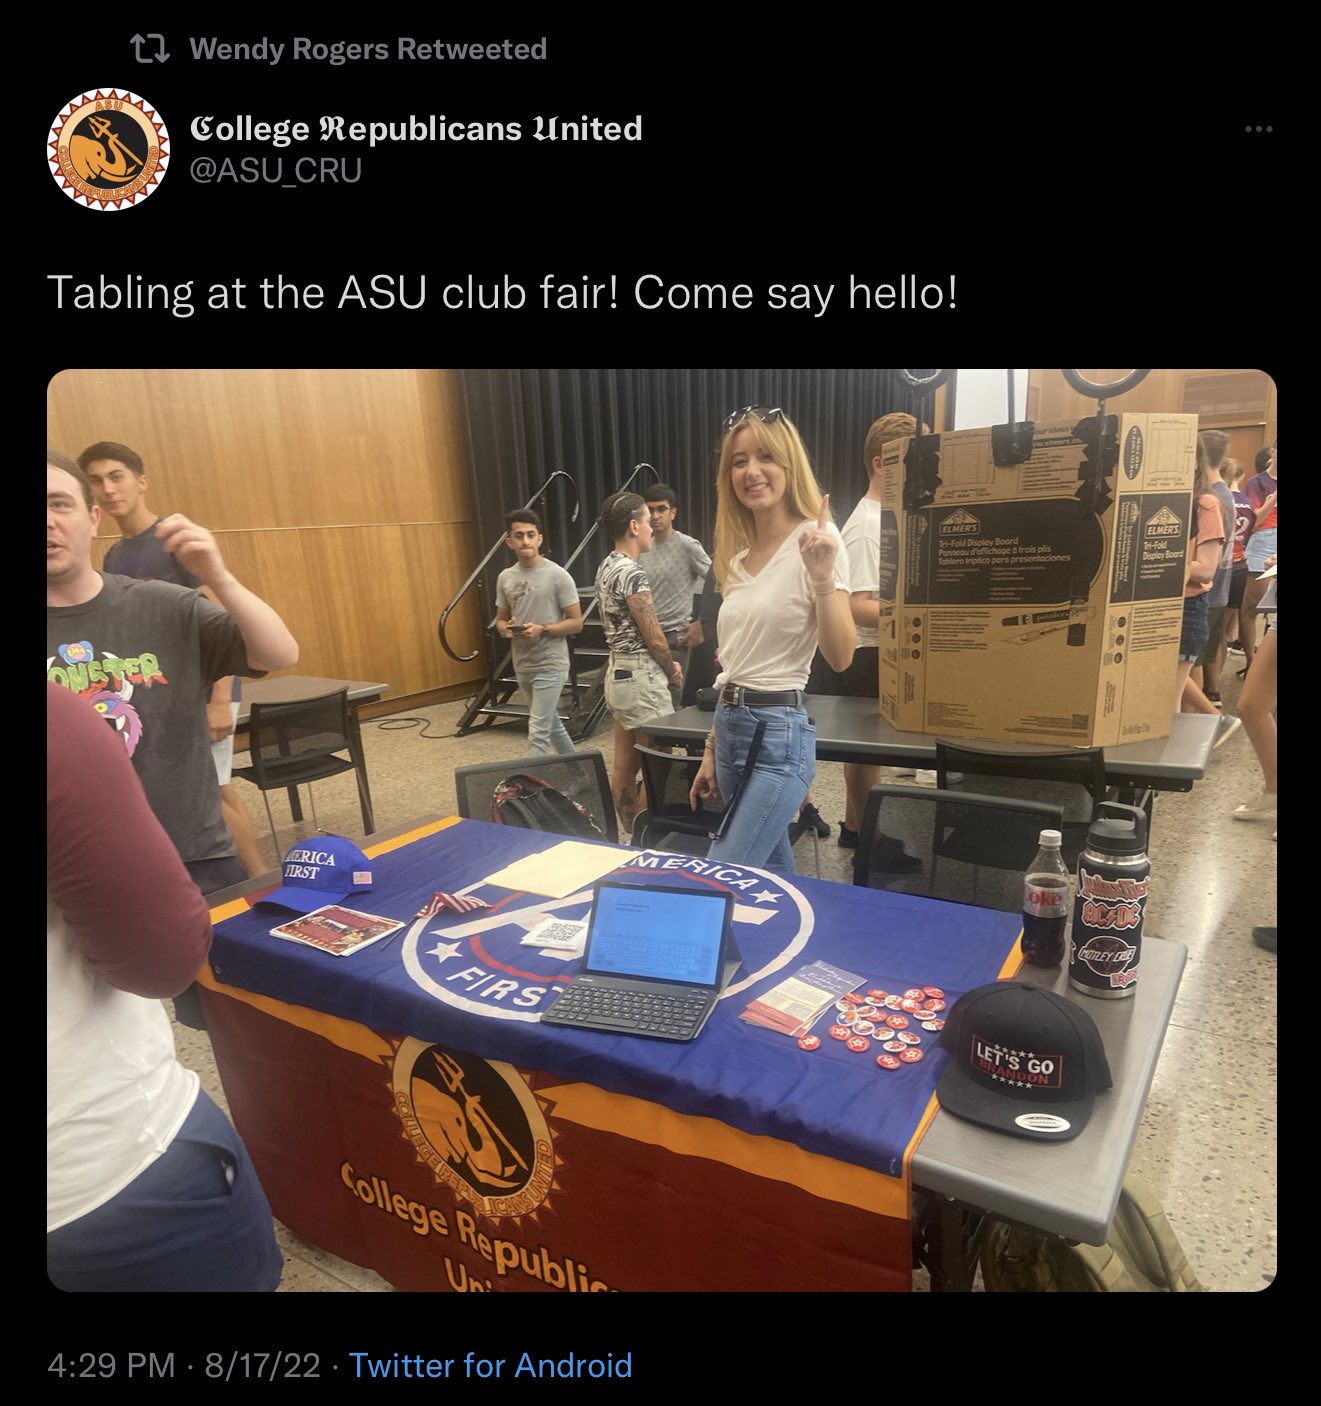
[{"x": 1260, "y": 808}]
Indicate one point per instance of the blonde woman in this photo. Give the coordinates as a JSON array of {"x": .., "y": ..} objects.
[{"x": 784, "y": 578}]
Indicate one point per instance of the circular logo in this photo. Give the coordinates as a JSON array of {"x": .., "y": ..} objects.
[
  {"x": 477, "y": 1125},
  {"x": 1106, "y": 954},
  {"x": 481, "y": 964},
  {"x": 108, "y": 150}
]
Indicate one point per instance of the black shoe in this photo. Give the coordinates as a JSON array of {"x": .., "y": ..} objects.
[
  {"x": 1264, "y": 938},
  {"x": 1214, "y": 698},
  {"x": 888, "y": 856},
  {"x": 848, "y": 839},
  {"x": 810, "y": 816}
]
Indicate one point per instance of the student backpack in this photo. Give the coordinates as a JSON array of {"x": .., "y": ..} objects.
[
  {"x": 1141, "y": 1255},
  {"x": 533, "y": 804}
]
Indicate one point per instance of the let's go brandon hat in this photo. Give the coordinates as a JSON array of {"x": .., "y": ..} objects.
[
  {"x": 320, "y": 870},
  {"x": 1024, "y": 1061}
]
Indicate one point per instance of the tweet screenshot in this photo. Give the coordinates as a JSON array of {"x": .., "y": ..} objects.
[{"x": 473, "y": 488}]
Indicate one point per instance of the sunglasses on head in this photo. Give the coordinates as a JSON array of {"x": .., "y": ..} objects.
[{"x": 767, "y": 417}]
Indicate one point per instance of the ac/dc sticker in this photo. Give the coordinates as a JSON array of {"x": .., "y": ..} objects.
[{"x": 108, "y": 149}]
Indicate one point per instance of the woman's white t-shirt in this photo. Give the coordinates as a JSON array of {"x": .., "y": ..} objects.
[{"x": 767, "y": 628}]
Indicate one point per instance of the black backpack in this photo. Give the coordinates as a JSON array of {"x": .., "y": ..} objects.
[{"x": 533, "y": 804}]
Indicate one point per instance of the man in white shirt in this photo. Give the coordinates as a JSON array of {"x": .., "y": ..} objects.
[{"x": 862, "y": 541}]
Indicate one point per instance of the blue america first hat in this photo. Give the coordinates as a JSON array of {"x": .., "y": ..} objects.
[
  {"x": 323, "y": 869},
  {"x": 1024, "y": 1061}
]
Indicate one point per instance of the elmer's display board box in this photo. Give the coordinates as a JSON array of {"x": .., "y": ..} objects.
[{"x": 1032, "y": 579}]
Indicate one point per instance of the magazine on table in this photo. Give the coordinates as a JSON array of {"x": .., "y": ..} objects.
[{"x": 338, "y": 930}]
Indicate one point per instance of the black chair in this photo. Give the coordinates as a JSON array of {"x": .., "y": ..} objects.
[
  {"x": 294, "y": 744},
  {"x": 668, "y": 822},
  {"x": 950, "y": 844},
  {"x": 1043, "y": 773},
  {"x": 581, "y": 776}
]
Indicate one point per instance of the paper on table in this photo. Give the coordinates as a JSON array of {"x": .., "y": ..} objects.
[{"x": 561, "y": 870}]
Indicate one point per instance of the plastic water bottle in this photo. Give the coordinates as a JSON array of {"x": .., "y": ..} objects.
[{"x": 1045, "y": 904}]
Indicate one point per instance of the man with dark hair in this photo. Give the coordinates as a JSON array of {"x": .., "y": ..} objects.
[
  {"x": 536, "y": 608},
  {"x": 640, "y": 671},
  {"x": 119, "y": 483},
  {"x": 144, "y": 654},
  {"x": 676, "y": 567}
]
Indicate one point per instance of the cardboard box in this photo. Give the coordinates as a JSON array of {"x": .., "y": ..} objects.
[{"x": 1033, "y": 579}]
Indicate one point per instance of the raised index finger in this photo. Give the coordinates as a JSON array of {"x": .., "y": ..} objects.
[{"x": 821, "y": 517}]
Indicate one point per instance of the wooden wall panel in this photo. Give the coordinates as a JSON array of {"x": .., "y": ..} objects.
[
  {"x": 342, "y": 497},
  {"x": 1053, "y": 399}
]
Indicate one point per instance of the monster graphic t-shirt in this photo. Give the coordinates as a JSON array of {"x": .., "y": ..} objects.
[{"x": 144, "y": 654}]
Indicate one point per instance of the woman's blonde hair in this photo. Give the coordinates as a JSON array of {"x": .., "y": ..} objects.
[{"x": 802, "y": 494}]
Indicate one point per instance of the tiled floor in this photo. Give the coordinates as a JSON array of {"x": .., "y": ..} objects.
[{"x": 1207, "y": 1144}]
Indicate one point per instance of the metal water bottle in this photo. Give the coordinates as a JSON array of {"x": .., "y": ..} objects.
[{"x": 1105, "y": 946}]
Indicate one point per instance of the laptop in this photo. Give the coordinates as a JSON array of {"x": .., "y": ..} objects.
[{"x": 654, "y": 964}]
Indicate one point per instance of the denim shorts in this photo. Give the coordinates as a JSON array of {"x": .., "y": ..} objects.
[
  {"x": 1260, "y": 546},
  {"x": 641, "y": 695},
  {"x": 1195, "y": 628}
]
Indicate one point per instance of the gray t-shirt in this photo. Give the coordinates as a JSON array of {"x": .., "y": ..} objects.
[
  {"x": 1220, "y": 583},
  {"x": 537, "y": 595},
  {"x": 676, "y": 569},
  {"x": 145, "y": 654},
  {"x": 617, "y": 578}
]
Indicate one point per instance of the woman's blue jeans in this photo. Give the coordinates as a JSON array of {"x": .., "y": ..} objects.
[{"x": 758, "y": 831}]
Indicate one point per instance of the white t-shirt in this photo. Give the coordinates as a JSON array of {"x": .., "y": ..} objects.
[
  {"x": 115, "y": 1093},
  {"x": 768, "y": 622},
  {"x": 862, "y": 537}
]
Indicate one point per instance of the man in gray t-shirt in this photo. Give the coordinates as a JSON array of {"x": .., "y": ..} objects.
[
  {"x": 536, "y": 608},
  {"x": 676, "y": 567}
]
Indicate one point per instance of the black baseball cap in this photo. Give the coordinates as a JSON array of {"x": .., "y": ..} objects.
[{"x": 1024, "y": 1061}]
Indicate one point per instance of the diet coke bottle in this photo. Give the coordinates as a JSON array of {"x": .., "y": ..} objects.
[{"x": 1045, "y": 903}]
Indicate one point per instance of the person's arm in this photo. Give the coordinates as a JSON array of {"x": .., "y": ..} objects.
[
  {"x": 1263, "y": 509},
  {"x": 643, "y": 611},
  {"x": 1203, "y": 566},
  {"x": 503, "y": 617},
  {"x": 139, "y": 919},
  {"x": 266, "y": 637},
  {"x": 836, "y": 636},
  {"x": 569, "y": 623},
  {"x": 866, "y": 612},
  {"x": 219, "y": 714}
]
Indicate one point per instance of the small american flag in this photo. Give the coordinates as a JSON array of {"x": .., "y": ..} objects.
[{"x": 455, "y": 902}]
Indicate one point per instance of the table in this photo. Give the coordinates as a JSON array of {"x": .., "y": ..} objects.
[
  {"x": 853, "y": 730},
  {"x": 1067, "y": 1189},
  {"x": 772, "y": 1160},
  {"x": 294, "y": 688}
]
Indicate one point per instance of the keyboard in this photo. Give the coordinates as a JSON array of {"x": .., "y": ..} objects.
[{"x": 661, "y": 1015}]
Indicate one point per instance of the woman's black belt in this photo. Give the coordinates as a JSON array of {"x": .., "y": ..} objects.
[{"x": 738, "y": 697}]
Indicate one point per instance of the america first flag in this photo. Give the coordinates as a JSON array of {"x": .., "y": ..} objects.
[{"x": 455, "y": 902}]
